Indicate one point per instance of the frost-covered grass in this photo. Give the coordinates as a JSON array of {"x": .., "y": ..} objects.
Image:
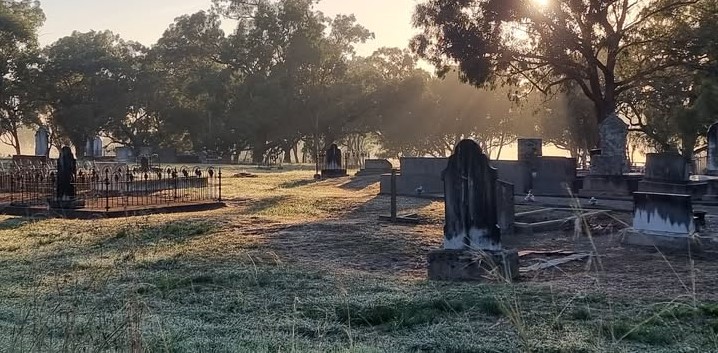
[{"x": 221, "y": 281}]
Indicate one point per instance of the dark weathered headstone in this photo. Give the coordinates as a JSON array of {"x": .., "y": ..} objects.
[
  {"x": 612, "y": 159},
  {"x": 712, "y": 163},
  {"x": 666, "y": 173},
  {"x": 65, "y": 193},
  {"x": 66, "y": 169},
  {"x": 505, "y": 207},
  {"x": 333, "y": 163},
  {"x": 662, "y": 220},
  {"x": 470, "y": 200},
  {"x": 529, "y": 148},
  {"x": 334, "y": 157},
  {"x": 472, "y": 236},
  {"x": 144, "y": 164},
  {"x": 667, "y": 167}
]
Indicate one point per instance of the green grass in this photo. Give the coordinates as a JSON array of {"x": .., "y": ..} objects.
[{"x": 218, "y": 281}]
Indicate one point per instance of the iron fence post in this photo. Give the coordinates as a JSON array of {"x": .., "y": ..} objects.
[
  {"x": 219, "y": 178},
  {"x": 107, "y": 190}
]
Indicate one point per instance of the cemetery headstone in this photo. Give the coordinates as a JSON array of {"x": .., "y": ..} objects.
[
  {"x": 472, "y": 247},
  {"x": 123, "y": 154},
  {"x": 611, "y": 160},
  {"x": 144, "y": 164},
  {"x": 65, "y": 194},
  {"x": 530, "y": 148},
  {"x": 666, "y": 173},
  {"x": 333, "y": 163},
  {"x": 97, "y": 147},
  {"x": 662, "y": 220},
  {"x": 42, "y": 141},
  {"x": 375, "y": 167},
  {"x": 712, "y": 163}
]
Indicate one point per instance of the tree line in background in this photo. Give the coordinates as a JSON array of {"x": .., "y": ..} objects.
[{"x": 287, "y": 81}]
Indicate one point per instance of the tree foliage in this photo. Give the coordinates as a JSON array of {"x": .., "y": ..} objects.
[{"x": 584, "y": 42}]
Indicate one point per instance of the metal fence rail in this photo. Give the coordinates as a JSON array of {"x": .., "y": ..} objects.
[
  {"x": 350, "y": 160},
  {"x": 109, "y": 187}
]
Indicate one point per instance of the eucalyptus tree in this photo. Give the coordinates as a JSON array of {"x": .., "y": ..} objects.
[
  {"x": 88, "y": 78},
  {"x": 19, "y": 23},
  {"x": 546, "y": 43}
]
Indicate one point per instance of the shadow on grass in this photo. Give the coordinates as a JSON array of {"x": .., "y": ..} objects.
[
  {"x": 265, "y": 204},
  {"x": 297, "y": 183},
  {"x": 359, "y": 183},
  {"x": 14, "y": 223}
]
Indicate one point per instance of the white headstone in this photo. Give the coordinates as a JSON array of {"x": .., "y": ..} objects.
[
  {"x": 42, "y": 141},
  {"x": 97, "y": 147}
]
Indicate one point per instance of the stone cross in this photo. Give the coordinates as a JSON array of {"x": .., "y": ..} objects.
[
  {"x": 334, "y": 157},
  {"x": 66, "y": 168},
  {"x": 471, "y": 220}
]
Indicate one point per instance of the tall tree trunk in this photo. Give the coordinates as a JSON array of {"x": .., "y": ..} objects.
[
  {"x": 16, "y": 141},
  {"x": 296, "y": 153}
]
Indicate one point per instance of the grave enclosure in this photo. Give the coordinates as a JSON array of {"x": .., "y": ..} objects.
[{"x": 64, "y": 187}]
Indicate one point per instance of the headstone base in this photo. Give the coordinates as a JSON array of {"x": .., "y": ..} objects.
[
  {"x": 609, "y": 185},
  {"x": 66, "y": 204},
  {"x": 670, "y": 242},
  {"x": 668, "y": 188},
  {"x": 469, "y": 265},
  {"x": 697, "y": 190},
  {"x": 334, "y": 173}
]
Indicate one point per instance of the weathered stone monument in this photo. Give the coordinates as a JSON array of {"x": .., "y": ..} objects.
[
  {"x": 65, "y": 191},
  {"x": 666, "y": 173},
  {"x": 712, "y": 163},
  {"x": 611, "y": 160},
  {"x": 530, "y": 148},
  {"x": 662, "y": 220},
  {"x": 375, "y": 167},
  {"x": 333, "y": 163},
  {"x": 472, "y": 247},
  {"x": 42, "y": 141},
  {"x": 123, "y": 154},
  {"x": 609, "y": 163},
  {"x": 93, "y": 147}
]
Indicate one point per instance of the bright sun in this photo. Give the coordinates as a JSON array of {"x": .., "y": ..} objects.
[{"x": 541, "y": 3}]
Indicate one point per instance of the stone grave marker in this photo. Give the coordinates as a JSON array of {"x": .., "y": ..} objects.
[
  {"x": 333, "y": 163},
  {"x": 42, "y": 141},
  {"x": 712, "y": 164},
  {"x": 472, "y": 247},
  {"x": 662, "y": 220},
  {"x": 530, "y": 148},
  {"x": 611, "y": 160},
  {"x": 376, "y": 167},
  {"x": 65, "y": 193}
]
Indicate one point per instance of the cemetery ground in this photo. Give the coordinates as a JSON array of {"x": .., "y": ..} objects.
[{"x": 298, "y": 265}]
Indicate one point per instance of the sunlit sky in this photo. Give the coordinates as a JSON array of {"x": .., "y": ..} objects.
[{"x": 145, "y": 20}]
